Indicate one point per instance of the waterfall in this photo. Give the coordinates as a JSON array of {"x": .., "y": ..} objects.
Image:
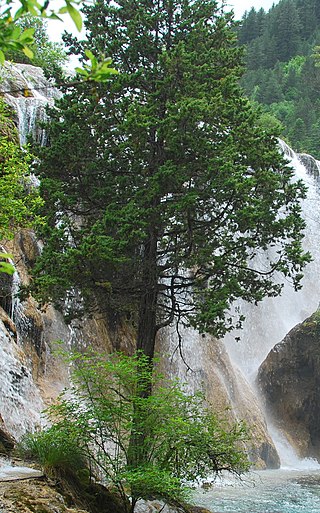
[
  {"x": 267, "y": 323},
  {"x": 20, "y": 401},
  {"x": 28, "y": 92},
  {"x": 22, "y": 347}
]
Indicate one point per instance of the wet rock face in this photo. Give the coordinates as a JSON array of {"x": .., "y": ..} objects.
[
  {"x": 265, "y": 452},
  {"x": 7, "y": 442},
  {"x": 310, "y": 163},
  {"x": 289, "y": 380},
  {"x": 25, "y": 88},
  {"x": 226, "y": 390}
]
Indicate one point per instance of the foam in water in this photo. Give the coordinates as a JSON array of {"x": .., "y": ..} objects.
[{"x": 275, "y": 491}]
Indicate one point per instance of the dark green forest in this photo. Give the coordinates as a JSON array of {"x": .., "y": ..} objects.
[{"x": 283, "y": 75}]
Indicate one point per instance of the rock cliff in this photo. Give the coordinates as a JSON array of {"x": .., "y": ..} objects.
[{"x": 289, "y": 379}]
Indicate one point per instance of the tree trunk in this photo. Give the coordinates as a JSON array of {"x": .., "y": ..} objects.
[
  {"x": 146, "y": 335},
  {"x": 148, "y": 303}
]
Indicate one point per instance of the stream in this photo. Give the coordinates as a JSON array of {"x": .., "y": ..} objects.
[{"x": 267, "y": 491}]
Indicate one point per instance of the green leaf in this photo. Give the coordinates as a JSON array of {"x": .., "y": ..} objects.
[
  {"x": 20, "y": 12},
  {"x": 63, "y": 10},
  {"x": 6, "y": 268},
  {"x": 90, "y": 55},
  {"x": 29, "y": 53},
  {"x": 15, "y": 33},
  {"x": 27, "y": 34},
  {"x": 54, "y": 16},
  {"x": 6, "y": 255},
  {"x": 2, "y": 57},
  {"x": 82, "y": 72},
  {"x": 75, "y": 15}
]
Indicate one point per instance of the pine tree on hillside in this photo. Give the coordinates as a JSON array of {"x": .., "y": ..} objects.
[
  {"x": 309, "y": 14},
  {"x": 252, "y": 25},
  {"x": 290, "y": 35},
  {"x": 287, "y": 30}
]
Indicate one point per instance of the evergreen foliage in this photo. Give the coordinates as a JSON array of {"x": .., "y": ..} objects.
[
  {"x": 162, "y": 190},
  {"x": 94, "y": 425},
  {"x": 282, "y": 72}
]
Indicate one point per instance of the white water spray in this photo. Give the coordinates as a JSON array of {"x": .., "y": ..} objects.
[
  {"x": 20, "y": 401},
  {"x": 267, "y": 323}
]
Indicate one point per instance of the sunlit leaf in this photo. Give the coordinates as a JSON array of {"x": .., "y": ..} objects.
[
  {"x": 75, "y": 16},
  {"x": 27, "y": 35},
  {"x": 28, "y": 52},
  {"x": 6, "y": 268}
]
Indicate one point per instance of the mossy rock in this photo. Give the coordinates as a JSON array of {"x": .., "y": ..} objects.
[
  {"x": 91, "y": 496},
  {"x": 196, "y": 509}
]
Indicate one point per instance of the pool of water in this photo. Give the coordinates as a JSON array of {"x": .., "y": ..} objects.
[{"x": 271, "y": 491}]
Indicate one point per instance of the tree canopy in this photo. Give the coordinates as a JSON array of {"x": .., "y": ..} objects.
[{"x": 163, "y": 193}]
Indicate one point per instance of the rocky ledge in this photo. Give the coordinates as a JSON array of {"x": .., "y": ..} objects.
[{"x": 27, "y": 490}]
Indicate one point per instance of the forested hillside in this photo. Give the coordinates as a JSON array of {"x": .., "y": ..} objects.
[{"x": 282, "y": 72}]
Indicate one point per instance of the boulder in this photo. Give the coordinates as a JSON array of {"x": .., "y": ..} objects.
[{"x": 289, "y": 380}]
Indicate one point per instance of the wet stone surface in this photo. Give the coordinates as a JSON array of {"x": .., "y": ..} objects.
[{"x": 14, "y": 473}]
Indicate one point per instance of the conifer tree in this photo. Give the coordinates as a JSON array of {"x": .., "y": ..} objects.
[
  {"x": 163, "y": 193},
  {"x": 287, "y": 30}
]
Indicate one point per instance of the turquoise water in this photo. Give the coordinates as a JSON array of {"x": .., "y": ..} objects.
[{"x": 276, "y": 491}]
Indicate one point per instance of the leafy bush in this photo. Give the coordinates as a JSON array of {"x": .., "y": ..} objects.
[
  {"x": 144, "y": 445},
  {"x": 19, "y": 201}
]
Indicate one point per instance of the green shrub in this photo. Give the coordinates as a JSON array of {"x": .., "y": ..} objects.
[
  {"x": 142, "y": 445},
  {"x": 55, "y": 449}
]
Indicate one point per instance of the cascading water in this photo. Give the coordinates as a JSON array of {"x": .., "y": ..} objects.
[
  {"x": 267, "y": 323},
  {"x": 20, "y": 401},
  {"x": 28, "y": 92}
]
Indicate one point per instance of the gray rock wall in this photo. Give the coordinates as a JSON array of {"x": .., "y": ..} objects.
[{"x": 289, "y": 380}]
